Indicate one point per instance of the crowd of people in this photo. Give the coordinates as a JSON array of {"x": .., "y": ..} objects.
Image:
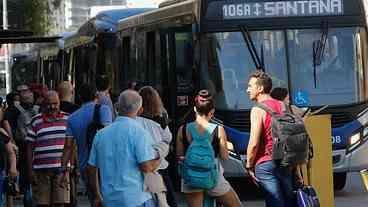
[{"x": 48, "y": 146}]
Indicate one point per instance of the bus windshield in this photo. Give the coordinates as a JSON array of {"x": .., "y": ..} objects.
[
  {"x": 336, "y": 80},
  {"x": 337, "y": 77}
]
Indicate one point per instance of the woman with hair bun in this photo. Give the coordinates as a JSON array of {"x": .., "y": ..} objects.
[{"x": 201, "y": 128}]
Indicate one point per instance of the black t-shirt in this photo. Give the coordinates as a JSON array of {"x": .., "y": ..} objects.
[
  {"x": 68, "y": 107},
  {"x": 11, "y": 115},
  {"x": 3, "y": 141}
]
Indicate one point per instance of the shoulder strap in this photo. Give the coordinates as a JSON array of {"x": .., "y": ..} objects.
[
  {"x": 20, "y": 108},
  {"x": 287, "y": 108},
  {"x": 266, "y": 108},
  {"x": 216, "y": 141},
  {"x": 96, "y": 113},
  {"x": 27, "y": 116},
  {"x": 184, "y": 137}
]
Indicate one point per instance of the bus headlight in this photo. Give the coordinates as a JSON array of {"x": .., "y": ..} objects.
[
  {"x": 354, "y": 139},
  {"x": 353, "y": 142}
]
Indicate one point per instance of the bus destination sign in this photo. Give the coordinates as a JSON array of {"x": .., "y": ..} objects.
[{"x": 271, "y": 9}]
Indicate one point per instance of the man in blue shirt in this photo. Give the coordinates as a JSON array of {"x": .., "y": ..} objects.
[
  {"x": 77, "y": 127},
  {"x": 103, "y": 95},
  {"x": 121, "y": 152}
]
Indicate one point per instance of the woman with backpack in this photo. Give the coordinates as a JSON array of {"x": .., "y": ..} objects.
[
  {"x": 199, "y": 147},
  {"x": 154, "y": 119}
]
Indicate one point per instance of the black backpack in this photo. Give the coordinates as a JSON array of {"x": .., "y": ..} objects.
[
  {"x": 291, "y": 142},
  {"x": 94, "y": 126}
]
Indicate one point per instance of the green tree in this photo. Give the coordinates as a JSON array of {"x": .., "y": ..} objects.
[{"x": 36, "y": 16}]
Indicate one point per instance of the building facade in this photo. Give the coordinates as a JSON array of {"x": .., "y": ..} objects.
[{"x": 78, "y": 11}]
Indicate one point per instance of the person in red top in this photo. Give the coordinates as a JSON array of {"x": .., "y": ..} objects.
[{"x": 275, "y": 180}]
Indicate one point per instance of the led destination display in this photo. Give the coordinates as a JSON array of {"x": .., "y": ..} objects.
[{"x": 271, "y": 9}]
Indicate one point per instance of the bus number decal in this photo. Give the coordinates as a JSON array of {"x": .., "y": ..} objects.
[{"x": 336, "y": 139}]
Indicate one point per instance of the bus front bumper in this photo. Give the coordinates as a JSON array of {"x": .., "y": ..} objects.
[{"x": 353, "y": 161}]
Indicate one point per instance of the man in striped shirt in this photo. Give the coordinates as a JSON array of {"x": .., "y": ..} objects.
[{"x": 45, "y": 144}]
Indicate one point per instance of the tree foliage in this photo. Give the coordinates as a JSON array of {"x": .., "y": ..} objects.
[{"x": 36, "y": 16}]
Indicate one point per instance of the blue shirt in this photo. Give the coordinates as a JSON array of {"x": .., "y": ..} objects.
[
  {"x": 117, "y": 151},
  {"x": 106, "y": 100},
  {"x": 77, "y": 128}
]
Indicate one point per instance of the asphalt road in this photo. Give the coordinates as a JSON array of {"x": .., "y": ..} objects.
[{"x": 354, "y": 194}]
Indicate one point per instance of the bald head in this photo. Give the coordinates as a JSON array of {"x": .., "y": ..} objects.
[
  {"x": 129, "y": 103},
  {"x": 65, "y": 90},
  {"x": 52, "y": 102}
]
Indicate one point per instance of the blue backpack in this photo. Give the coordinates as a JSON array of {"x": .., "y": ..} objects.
[{"x": 200, "y": 168}]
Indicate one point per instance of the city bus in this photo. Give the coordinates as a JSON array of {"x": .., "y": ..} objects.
[
  {"x": 93, "y": 49},
  {"x": 317, "y": 49}
]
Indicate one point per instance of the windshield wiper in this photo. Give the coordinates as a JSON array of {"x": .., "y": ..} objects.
[
  {"x": 257, "y": 60},
  {"x": 319, "y": 50}
]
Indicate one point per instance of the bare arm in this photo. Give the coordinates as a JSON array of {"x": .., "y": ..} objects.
[
  {"x": 12, "y": 159},
  {"x": 67, "y": 152},
  {"x": 224, "y": 153},
  {"x": 179, "y": 143},
  {"x": 93, "y": 183},
  {"x": 256, "y": 120},
  {"x": 149, "y": 166},
  {"x": 7, "y": 128}
]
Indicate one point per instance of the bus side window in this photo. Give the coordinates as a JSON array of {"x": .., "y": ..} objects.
[
  {"x": 154, "y": 70},
  {"x": 125, "y": 71},
  {"x": 184, "y": 58}
]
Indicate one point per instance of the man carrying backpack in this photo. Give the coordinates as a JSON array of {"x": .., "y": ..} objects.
[
  {"x": 78, "y": 128},
  {"x": 266, "y": 160}
]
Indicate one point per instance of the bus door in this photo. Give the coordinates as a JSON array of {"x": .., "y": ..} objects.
[{"x": 180, "y": 91}]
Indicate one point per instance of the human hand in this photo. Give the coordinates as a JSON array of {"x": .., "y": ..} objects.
[
  {"x": 61, "y": 180},
  {"x": 15, "y": 148},
  {"x": 13, "y": 173},
  {"x": 252, "y": 174},
  {"x": 98, "y": 201}
]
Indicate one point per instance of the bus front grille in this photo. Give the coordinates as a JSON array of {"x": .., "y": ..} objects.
[{"x": 339, "y": 119}]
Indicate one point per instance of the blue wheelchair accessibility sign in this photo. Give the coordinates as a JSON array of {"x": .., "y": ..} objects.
[{"x": 301, "y": 98}]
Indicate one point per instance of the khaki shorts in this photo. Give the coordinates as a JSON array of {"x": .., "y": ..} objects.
[
  {"x": 222, "y": 187},
  {"x": 46, "y": 190}
]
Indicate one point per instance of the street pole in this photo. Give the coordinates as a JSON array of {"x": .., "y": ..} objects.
[{"x": 7, "y": 49}]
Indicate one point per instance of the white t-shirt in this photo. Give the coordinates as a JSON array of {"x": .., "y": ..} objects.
[{"x": 161, "y": 137}]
